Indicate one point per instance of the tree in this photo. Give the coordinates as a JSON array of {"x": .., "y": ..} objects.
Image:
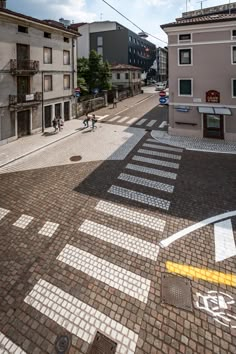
[{"x": 93, "y": 73}]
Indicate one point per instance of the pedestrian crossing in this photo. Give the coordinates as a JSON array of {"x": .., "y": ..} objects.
[
  {"x": 77, "y": 316},
  {"x": 127, "y": 120}
]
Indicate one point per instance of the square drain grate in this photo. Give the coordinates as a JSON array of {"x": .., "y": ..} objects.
[
  {"x": 176, "y": 291},
  {"x": 102, "y": 345}
]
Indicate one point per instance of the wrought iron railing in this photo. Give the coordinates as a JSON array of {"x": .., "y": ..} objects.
[
  {"x": 31, "y": 66},
  {"x": 25, "y": 99}
]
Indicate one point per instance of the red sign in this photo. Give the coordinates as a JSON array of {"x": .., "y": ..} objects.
[
  {"x": 162, "y": 93},
  {"x": 213, "y": 96},
  {"x": 77, "y": 89}
]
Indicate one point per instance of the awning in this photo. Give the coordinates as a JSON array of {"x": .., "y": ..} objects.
[{"x": 215, "y": 110}]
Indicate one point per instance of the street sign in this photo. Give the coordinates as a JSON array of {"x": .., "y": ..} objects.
[
  {"x": 77, "y": 89},
  {"x": 77, "y": 94},
  {"x": 164, "y": 100},
  {"x": 162, "y": 93}
]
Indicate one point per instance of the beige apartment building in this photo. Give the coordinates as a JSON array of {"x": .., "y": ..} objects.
[
  {"x": 202, "y": 73},
  {"x": 37, "y": 74},
  {"x": 126, "y": 77}
]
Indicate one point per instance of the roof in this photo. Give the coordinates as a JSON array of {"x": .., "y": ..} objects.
[
  {"x": 124, "y": 67},
  {"x": 49, "y": 23},
  {"x": 77, "y": 25},
  {"x": 201, "y": 19}
]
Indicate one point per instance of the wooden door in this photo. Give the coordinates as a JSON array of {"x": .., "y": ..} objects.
[
  {"x": 48, "y": 116},
  {"x": 23, "y": 87},
  {"x": 23, "y": 123},
  {"x": 23, "y": 56},
  {"x": 66, "y": 110}
]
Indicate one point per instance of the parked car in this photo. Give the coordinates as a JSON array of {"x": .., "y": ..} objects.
[{"x": 160, "y": 86}]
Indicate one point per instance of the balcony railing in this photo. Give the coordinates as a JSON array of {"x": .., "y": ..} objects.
[
  {"x": 25, "y": 100},
  {"x": 18, "y": 67}
]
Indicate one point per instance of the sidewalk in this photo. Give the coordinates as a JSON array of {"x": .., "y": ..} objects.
[{"x": 195, "y": 144}]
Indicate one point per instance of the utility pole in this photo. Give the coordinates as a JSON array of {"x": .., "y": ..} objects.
[{"x": 201, "y": 2}]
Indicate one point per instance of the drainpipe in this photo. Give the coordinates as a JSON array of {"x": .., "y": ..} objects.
[{"x": 42, "y": 104}]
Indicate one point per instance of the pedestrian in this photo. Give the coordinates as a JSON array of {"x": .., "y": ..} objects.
[
  {"x": 114, "y": 102},
  {"x": 60, "y": 123},
  {"x": 94, "y": 120},
  {"x": 55, "y": 124},
  {"x": 86, "y": 121}
]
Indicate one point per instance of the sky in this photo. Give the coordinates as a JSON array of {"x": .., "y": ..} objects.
[{"x": 147, "y": 14}]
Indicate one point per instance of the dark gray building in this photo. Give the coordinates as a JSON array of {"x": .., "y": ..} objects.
[
  {"x": 162, "y": 64},
  {"x": 116, "y": 43}
]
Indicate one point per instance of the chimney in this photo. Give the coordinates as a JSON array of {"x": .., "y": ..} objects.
[{"x": 3, "y": 4}]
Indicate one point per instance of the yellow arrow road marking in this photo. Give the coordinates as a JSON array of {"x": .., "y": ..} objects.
[{"x": 204, "y": 274}]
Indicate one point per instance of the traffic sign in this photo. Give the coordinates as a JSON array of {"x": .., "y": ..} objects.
[
  {"x": 164, "y": 100},
  {"x": 77, "y": 89},
  {"x": 162, "y": 93},
  {"x": 77, "y": 94}
]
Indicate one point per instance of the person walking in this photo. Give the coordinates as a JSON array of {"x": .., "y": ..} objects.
[
  {"x": 60, "y": 123},
  {"x": 86, "y": 121},
  {"x": 94, "y": 120},
  {"x": 114, "y": 102},
  {"x": 55, "y": 124}
]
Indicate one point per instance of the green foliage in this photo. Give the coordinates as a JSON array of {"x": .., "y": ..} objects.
[{"x": 93, "y": 73}]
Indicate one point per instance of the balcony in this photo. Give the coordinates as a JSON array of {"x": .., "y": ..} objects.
[
  {"x": 21, "y": 101},
  {"x": 24, "y": 67}
]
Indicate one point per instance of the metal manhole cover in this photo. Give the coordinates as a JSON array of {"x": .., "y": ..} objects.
[
  {"x": 62, "y": 344},
  {"x": 102, "y": 345},
  {"x": 76, "y": 158},
  {"x": 176, "y": 291}
]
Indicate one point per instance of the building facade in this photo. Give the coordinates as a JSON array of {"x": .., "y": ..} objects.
[
  {"x": 126, "y": 77},
  {"x": 202, "y": 75},
  {"x": 116, "y": 43},
  {"x": 162, "y": 64},
  {"x": 38, "y": 74}
]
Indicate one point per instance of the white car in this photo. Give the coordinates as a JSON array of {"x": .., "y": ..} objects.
[{"x": 160, "y": 86}]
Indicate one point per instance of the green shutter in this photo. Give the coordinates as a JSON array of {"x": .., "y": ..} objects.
[
  {"x": 234, "y": 88},
  {"x": 185, "y": 87}
]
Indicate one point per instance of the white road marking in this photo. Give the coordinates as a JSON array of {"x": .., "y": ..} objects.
[
  {"x": 132, "y": 120},
  {"x": 166, "y": 242},
  {"x": 151, "y": 123},
  {"x": 48, "y": 229},
  {"x": 140, "y": 197},
  {"x": 130, "y": 243},
  {"x": 106, "y": 272},
  {"x": 146, "y": 182},
  {"x": 156, "y": 162},
  {"x": 151, "y": 171},
  {"x": 7, "y": 346},
  {"x": 23, "y": 221},
  {"x": 141, "y": 121},
  {"x": 224, "y": 240},
  {"x": 159, "y": 153},
  {"x": 131, "y": 215},
  {"x": 162, "y": 147},
  {"x": 114, "y": 118},
  {"x": 122, "y": 119},
  {"x": 79, "y": 318},
  {"x": 3, "y": 212},
  {"x": 101, "y": 117},
  {"x": 163, "y": 124}
]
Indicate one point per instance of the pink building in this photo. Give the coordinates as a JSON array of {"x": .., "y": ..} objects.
[{"x": 202, "y": 74}]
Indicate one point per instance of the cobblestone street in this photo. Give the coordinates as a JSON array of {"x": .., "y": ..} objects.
[{"x": 85, "y": 247}]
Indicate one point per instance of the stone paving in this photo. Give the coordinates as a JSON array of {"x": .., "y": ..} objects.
[{"x": 76, "y": 258}]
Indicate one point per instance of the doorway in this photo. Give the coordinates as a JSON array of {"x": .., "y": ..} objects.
[
  {"x": 213, "y": 126},
  {"x": 23, "y": 123},
  {"x": 58, "y": 110},
  {"x": 48, "y": 116},
  {"x": 23, "y": 56},
  {"x": 23, "y": 88},
  {"x": 66, "y": 110}
]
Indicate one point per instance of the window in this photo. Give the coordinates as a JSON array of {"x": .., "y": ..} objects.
[
  {"x": 234, "y": 55},
  {"x": 185, "y": 56},
  {"x": 133, "y": 75},
  {"x": 66, "y": 57},
  {"x": 234, "y": 88},
  {"x": 47, "y": 35},
  {"x": 99, "y": 41},
  {"x": 130, "y": 38},
  {"x": 47, "y": 55},
  {"x": 22, "y": 29},
  {"x": 47, "y": 83},
  {"x": 185, "y": 87},
  {"x": 130, "y": 49},
  {"x": 66, "y": 82},
  {"x": 66, "y": 40},
  {"x": 100, "y": 50},
  {"x": 139, "y": 75},
  {"x": 118, "y": 76},
  {"x": 234, "y": 34},
  {"x": 134, "y": 51},
  {"x": 126, "y": 76},
  {"x": 134, "y": 40},
  {"x": 185, "y": 37}
]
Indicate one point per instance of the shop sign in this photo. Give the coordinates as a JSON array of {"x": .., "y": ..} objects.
[
  {"x": 213, "y": 96},
  {"x": 182, "y": 108},
  {"x": 29, "y": 97}
]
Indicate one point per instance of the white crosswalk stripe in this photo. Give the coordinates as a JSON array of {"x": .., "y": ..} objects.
[
  {"x": 23, "y": 221},
  {"x": 101, "y": 117},
  {"x": 106, "y": 272},
  {"x": 8, "y": 347},
  {"x": 120, "y": 239},
  {"x": 48, "y": 229},
  {"x": 141, "y": 121},
  {"x": 151, "y": 171},
  {"x": 132, "y": 120},
  {"x": 122, "y": 119},
  {"x": 156, "y": 162},
  {"x": 79, "y": 318},
  {"x": 131, "y": 215},
  {"x": 151, "y": 123},
  {"x": 162, "y": 147},
  {"x": 163, "y": 124},
  {"x": 139, "y": 197},
  {"x": 114, "y": 118},
  {"x": 160, "y": 154},
  {"x": 146, "y": 182},
  {"x": 3, "y": 212}
]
